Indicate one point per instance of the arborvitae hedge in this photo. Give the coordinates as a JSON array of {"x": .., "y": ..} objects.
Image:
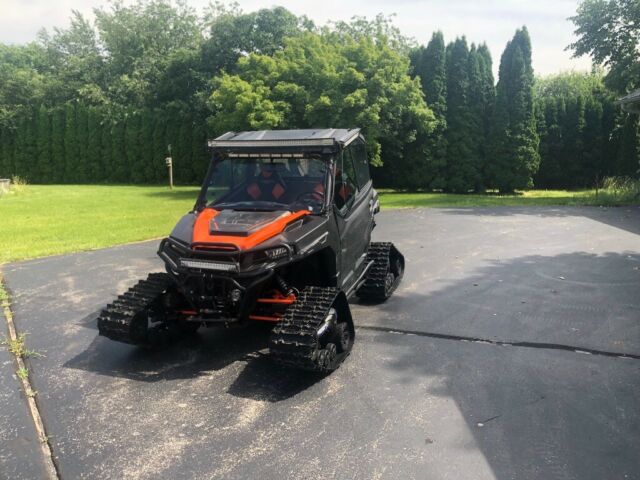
[
  {"x": 57, "y": 145},
  {"x": 77, "y": 144},
  {"x": 44, "y": 171},
  {"x": 94, "y": 164}
]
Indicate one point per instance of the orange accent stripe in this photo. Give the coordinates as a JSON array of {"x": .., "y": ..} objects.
[
  {"x": 264, "y": 318},
  {"x": 282, "y": 301},
  {"x": 188, "y": 312},
  {"x": 201, "y": 230}
]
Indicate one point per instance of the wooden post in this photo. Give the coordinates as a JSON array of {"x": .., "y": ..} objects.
[{"x": 170, "y": 165}]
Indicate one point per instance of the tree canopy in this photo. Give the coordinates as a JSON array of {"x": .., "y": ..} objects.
[
  {"x": 609, "y": 32},
  {"x": 514, "y": 138},
  {"x": 101, "y": 100},
  {"x": 327, "y": 78}
]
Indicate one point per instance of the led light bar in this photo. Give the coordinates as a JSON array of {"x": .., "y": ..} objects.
[
  {"x": 206, "y": 265},
  {"x": 265, "y": 155},
  {"x": 318, "y": 142}
]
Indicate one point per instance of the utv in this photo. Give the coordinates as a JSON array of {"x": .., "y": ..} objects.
[{"x": 280, "y": 233}]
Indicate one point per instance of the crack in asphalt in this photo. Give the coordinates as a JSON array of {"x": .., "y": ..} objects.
[{"x": 539, "y": 345}]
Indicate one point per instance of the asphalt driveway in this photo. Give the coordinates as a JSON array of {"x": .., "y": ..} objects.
[{"x": 511, "y": 350}]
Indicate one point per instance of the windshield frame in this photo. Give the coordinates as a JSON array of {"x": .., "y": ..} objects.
[{"x": 218, "y": 157}]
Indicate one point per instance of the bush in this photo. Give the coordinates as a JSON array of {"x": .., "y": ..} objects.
[
  {"x": 17, "y": 186},
  {"x": 618, "y": 191}
]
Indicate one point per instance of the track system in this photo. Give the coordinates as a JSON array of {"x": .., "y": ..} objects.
[
  {"x": 127, "y": 318},
  {"x": 311, "y": 336},
  {"x": 384, "y": 275}
]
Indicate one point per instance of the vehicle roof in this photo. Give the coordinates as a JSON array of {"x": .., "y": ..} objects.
[
  {"x": 316, "y": 137},
  {"x": 631, "y": 102}
]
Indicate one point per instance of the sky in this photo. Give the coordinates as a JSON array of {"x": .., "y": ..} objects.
[{"x": 490, "y": 21}]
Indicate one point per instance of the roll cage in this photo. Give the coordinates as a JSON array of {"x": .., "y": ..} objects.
[{"x": 325, "y": 145}]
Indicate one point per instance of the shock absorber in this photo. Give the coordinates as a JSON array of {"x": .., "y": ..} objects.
[{"x": 284, "y": 286}]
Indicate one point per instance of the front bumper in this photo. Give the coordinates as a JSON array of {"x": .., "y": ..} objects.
[{"x": 212, "y": 282}]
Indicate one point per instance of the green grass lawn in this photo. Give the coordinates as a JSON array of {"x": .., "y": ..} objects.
[
  {"x": 390, "y": 199},
  {"x": 51, "y": 219},
  {"x": 41, "y": 220}
]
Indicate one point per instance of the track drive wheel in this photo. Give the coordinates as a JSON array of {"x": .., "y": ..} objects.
[
  {"x": 385, "y": 274},
  {"x": 316, "y": 332}
]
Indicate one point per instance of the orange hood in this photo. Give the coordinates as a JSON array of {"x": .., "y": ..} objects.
[{"x": 204, "y": 234}]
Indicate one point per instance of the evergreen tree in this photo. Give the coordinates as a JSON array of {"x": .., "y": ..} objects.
[
  {"x": 594, "y": 143},
  {"x": 550, "y": 172},
  {"x": 94, "y": 155},
  {"x": 573, "y": 148},
  {"x": 133, "y": 148},
  {"x": 610, "y": 116},
  {"x": 106, "y": 157},
  {"x": 44, "y": 171},
  {"x": 146, "y": 140},
  {"x": 629, "y": 147},
  {"x": 6, "y": 153},
  {"x": 172, "y": 130},
  {"x": 199, "y": 152},
  {"x": 429, "y": 64},
  {"x": 488, "y": 99},
  {"x": 57, "y": 145},
  {"x": 71, "y": 156},
  {"x": 4, "y": 158},
  {"x": 579, "y": 137},
  {"x": 514, "y": 155},
  {"x": 159, "y": 148},
  {"x": 119, "y": 168},
  {"x": 462, "y": 166},
  {"x": 184, "y": 174},
  {"x": 476, "y": 106},
  {"x": 82, "y": 139},
  {"x": 26, "y": 153}
]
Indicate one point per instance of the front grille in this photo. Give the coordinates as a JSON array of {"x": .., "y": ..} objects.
[
  {"x": 199, "y": 259},
  {"x": 212, "y": 296}
]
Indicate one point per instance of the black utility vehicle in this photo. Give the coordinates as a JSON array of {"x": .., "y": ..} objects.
[{"x": 280, "y": 233}]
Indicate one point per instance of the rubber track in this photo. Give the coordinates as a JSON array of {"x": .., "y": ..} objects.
[
  {"x": 373, "y": 287},
  {"x": 294, "y": 342},
  {"x": 115, "y": 320}
]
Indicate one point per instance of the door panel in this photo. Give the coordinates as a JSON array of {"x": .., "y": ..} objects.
[{"x": 354, "y": 222}]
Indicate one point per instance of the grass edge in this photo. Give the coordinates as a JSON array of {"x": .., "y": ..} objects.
[{"x": 22, "y": 372}]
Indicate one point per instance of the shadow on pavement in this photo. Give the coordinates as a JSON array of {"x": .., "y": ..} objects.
[
  {"x": 262, "y": 380},
  {"x": 580, "y": 299},
  {"x": 533, "y": 412},
  {"x": 197, "y": 355}
]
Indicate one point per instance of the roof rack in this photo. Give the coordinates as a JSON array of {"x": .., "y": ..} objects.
[
  {"x": 631, "y": 102},
  {"x": 308, "y": 138}
]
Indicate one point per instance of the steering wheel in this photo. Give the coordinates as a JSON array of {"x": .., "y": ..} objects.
[{"x": 313, "y": 196}]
